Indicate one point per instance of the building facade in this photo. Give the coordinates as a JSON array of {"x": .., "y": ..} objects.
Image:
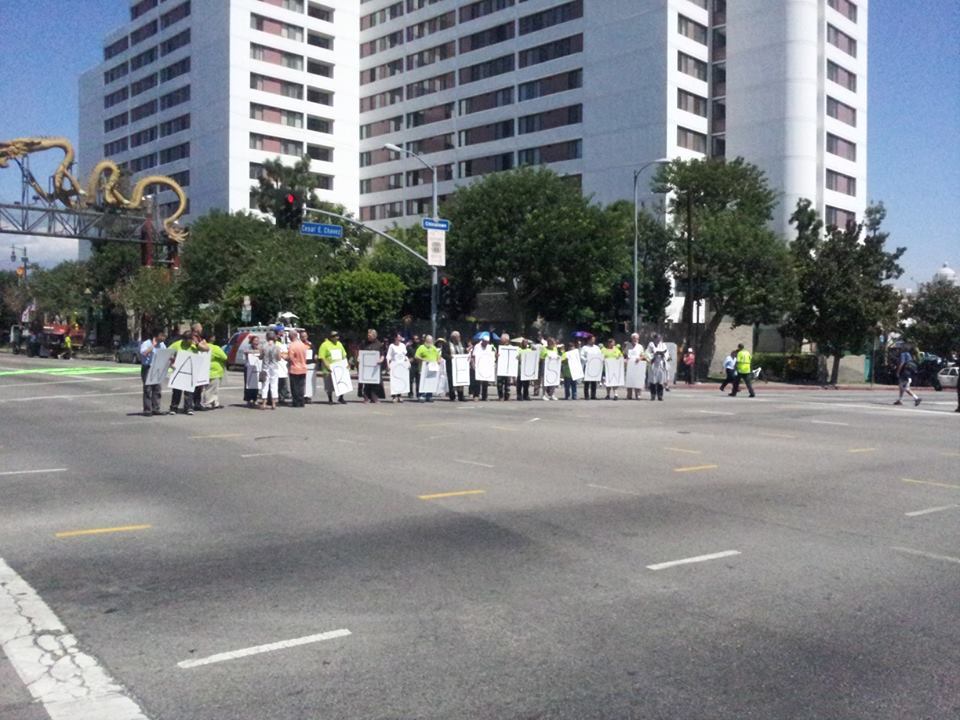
[{"x": 594, "y": 89}]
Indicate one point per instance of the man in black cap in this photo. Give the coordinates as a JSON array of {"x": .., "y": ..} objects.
[{"x": 331, "y": 351}]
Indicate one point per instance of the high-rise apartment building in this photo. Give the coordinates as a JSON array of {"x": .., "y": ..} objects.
[{"x": 591, "y": 88}]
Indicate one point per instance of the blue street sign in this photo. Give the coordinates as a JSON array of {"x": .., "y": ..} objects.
[
  {"x": 430, "y": 224},
  {"x": 328, "y": 231}
]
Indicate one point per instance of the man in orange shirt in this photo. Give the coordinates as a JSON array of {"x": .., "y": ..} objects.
[{"x": 297, "y": 367}]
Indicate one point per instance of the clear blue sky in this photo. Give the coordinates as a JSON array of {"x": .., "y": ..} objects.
[{"x": 914, "y": 113}]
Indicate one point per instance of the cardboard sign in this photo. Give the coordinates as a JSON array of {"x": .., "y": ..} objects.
[
  {"x": 593, "y": 369},
  {"x": 574, "y": 364},
  {"x": 460, "y": 366},
  {"x": 400, "y": 377},
  {"x": 613, "y": 372},
  {"x": 443, "y": 386},
  {"x": 636, "y": 374},
  {"x": 369, "y": 371},
  {"x": 340, "y": 375},
  {"x": 184, "y": 371},
  {"x": 529, "y": 365},
  {"x": 485, "y": 367},
  {"x": 551, "y": 371},
  {"x": 508, "y": 361},
  {"x": 429, "y": 378},
  {"x": 159, "y": 367},
  {"x": 202, "y": 364},
  {"x": 671, "y": 362}
]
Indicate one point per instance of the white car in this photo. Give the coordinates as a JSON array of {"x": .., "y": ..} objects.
[{"x": 948, "y": 376}]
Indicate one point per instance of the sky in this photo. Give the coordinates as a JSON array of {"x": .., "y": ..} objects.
[{"x": 913, "y": 114}]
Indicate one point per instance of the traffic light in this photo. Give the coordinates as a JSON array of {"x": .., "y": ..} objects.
[
  {"x": 446, "y": 291},
  {"x": 290, "y": 214}
]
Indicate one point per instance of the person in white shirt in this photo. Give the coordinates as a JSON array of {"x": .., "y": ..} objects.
[
  {"x": 151, "y": 393},
  {"x": 658, "y": 355},
  {"x": 283, "y": 371},
  {"x": 481, "y": 349},
  {"x": 730, "y": 368},
  {"x": 589, "y": 352},
  {"x": 634, "y": 352},
  {"x": 397, "y": 360}
]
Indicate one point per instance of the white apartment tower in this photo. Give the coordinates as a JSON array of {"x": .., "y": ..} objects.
[
  {"x": 594, "y": 89},
  {"x": 206, "y": 90}
]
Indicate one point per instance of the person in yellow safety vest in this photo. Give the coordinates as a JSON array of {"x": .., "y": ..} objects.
[
  {"x": 67, "y": 347},
  {"x": 428, "y": 353},
  {"x": 523, "y": 386},
  {"x": 611, "y": 352},
  {"x": 218, "y": 364},
  {"x": 331, "y": 350},
  {"x": 744, "y": 371}
]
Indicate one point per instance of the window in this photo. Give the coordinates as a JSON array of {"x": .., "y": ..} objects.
[
  {"x": 487, "y": 133},
  {"x": 376, "y": 157},
  {"x": 422, "y": 176},
  {"x": 144, "y": 136},
  {"x": 143, "y": 163},
  {"x": 291, "y": 5},
  {"x": 419, "y": 4},
  {"x": 437, "y": 113},
  {"x": 842, "y": 112},
  {"x": 490, "y": 68},
  {"x": 143, "y": 84},
  {"x": 381, "y": 127},
  {"x": 436, "y": 143},
  {"x": 551, "y": 16},
  {"x": 433, "y": 25},
  {"x": 691, "y": 139},
  {"x": 379, "y": 17},
  {"x": 551, "y": 51},
  {"x": 275, "y": 115},
  {"x": 117, "y": 121},
  {"x": 719, "y": 15},
  {"x": 321, "y": 97},
  {"x": 176, "y": 125},
  {"x": 481, "y": 8},
  {"x": 176, "y": 42},
  {"x": 432, "y": 85},
  {"x": 381, "y": 212},
  {"x": 718, "y": 80},
  {"x": 144, "y": 58},
  {"x": 841, "y": 183},
  {"x": 315, "y": 67},
  {"x": 845, "y": 7},
  {"x": 486, "y": 101},
  {"x": 115, "y": 147},
  {"x": 385, "y": 42},
  {"x": 701, "y": 3},
  {"x": 843, "y": 148},
  {"x": 320, "y": 12},
  {"x": 275, "y": 145},
  {"x": 319, "y": 124},
  {"x": 381, "y": 184},
  {"x": 691, "y": 66},
  {"x": 691, "y": 29},
  {"x": 558, "y": 117},
  {"x": 117, "y": 96},
  {"x": 550, "y": 85},
  {"x": 691, "y": 103},
  {"x": 276, "y": 57},
  {"x": 142, "y": 7},
  {"x": 115, "y": 48},
  {"x": 177, "y": 152},
  {"x": 383, "y": 99},
  {"x": 115, "y": 73},
  {"x": 394, "y": 67},
  {"x": 180, "y": 95},
  {"x": 841, "y": 76},
  {"x": 484, "y": 165},
  {"x": 181, "y": 178},
  {"x": 276, "y": 86},
  {"x": 178, "y": 13},
  {"x": 321, "y": 181},
  {"x": 431, "y": 55},
  {"x": 835, "y": 217},
  {"x": 319, "y": 40},
  {"x": 142, "y": 111},
  {"x": 143, "y": 32},
  {"x": 841, "y": 40},
  {"x": 484, "y": 38},
  {"x": 276, "y": 27}
]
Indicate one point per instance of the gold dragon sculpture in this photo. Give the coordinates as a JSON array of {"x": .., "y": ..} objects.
[{"x": 102, "y": 189}]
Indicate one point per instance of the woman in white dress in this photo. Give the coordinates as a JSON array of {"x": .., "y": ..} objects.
[
  {"x": 658, "y": 355},
  {"x": 251, "y": 370},
  {"x": 397, "y": 358}
]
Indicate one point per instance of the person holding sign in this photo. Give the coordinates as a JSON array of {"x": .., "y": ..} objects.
[
  {"x": 550, "y": 355},
  {"x": 252, "y": 368},
  {"x": 270, "y": 357},
  {"x": 659, "y": 355},
  {"x": 191, "y": 342},
  {"x": 428, "y": 355},
  {"x": 484, "y": 360},
  {"x": 373, "y": 391},
  {"x": 592, "y": 358},
  {"x": 297, "y": 368},
  {"x": 506, "y": 370},
  {"x": 523, "y": 386},
  {"x": 454, "y": 347},
  {"x": 635, "y": 355},
  {"x": 331, "y": 351},
  {"x": 569, "y": 381},
  {"x": 611, "y": 352},
  {"x": 399, "y": 365},
  {"x": 218, "y": 367},
  {"x": 151, "y": 392}
]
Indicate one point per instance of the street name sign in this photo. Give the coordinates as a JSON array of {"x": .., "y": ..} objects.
[
  {"x": 431, "y": 224},
  {"x": 322, "y": 230}
]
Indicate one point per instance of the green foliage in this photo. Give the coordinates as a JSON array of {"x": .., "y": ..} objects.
[
  {"x": 355, "y": 300},
  {"x": 844, "y": 300},
  {"x": 13, "y": 299},
  {"x": 531, "y": 234},
  {"x": 277, "y": 178},
  {"x": 413, "y": 272},
  {"x": 788, "y": 367},
  {"x": 932, "y": 318},
  {"x": 60, "y": 290},
  {"x": 151, "y": 293},
  {"x": 111, "y": 263}
]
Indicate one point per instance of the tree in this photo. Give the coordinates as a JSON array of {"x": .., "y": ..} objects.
[
  {"x": 531, "y": 234},
  {"x": 841, "y": 275},
  {"x": 13, "y": 299},
  {"x": 932, "y": 318},
  {"x": 60, "y": 290},
  {"x": 414, "y": 273},
  {"x": 277, "y": 179},
  {"x": 152, "y": 295},
  {"x": 358, "y": 299},
  {"x": 741, "y": 268}
]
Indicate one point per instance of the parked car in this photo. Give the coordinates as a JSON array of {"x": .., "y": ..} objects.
[
  {"x": 45, "y": 344},
  {"x": 948, "y": 376},
  {"x": 128, "y": 353}
]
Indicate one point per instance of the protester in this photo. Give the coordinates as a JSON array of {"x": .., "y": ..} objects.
[
  {"x": 151, "y": 393},
  {"x": 454, "y": 347},
  {"x": 730, "y": 368},
  {"x": 569, "y": 384},
  {"x": 428, "y": 353},
  {"x": 252, "y": 371},
  {"x": 308, "y": 386},
  {"x": 744, "y": 371},
  {"x": 634, "y": 352},
  {"x": 481, "y": 349},
  {"x": 689, "y": 359},
  {"x": 331, "y": 351},
  {"x": 537, "y": 346},
  {"x": 397, "y": 361},
  {"x": 523, "y": 386},
  {"x": 658, "y": 355},
  {"x": 372, "y": 392},
  {"x": 503, "y": 382},
  {"x": 270, "y": 356},
  {"x": 589, "y": 352},
  {"x": 193, "y": 342},
  {"x": 297, "y": 368},
  {"x": 906, "y": 370},
  {"x": 548, "y": 350},
  {"x": 218, "y": 367},
  {"x": 283, "y": 370},
  {"x": 611, "y": 352},
  {"x": 412, "y": 344}
]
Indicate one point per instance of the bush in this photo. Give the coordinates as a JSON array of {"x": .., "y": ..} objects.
[{"x": 788, "y": 367}]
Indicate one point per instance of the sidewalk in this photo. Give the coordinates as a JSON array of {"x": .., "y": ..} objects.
[{"x": 766, "y": 385}]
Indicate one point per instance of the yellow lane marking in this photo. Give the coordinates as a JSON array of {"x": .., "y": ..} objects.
[
  {"x": 102, "y": 531},
  {"x": 693, "y": 468},
  {"x": 861, "y": 450},
  {"x": 778, "y": 435},
  {"x": 935, "y": 484},
  {"x": 683, "y": 450},
  {"x": 458, "y": 493},
  {"x": 215, "y": 437}
]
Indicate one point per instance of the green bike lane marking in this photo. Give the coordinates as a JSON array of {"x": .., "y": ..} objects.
[{"x": 91, "y": 370}]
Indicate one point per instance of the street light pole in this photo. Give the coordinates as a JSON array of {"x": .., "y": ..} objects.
[
  {"x": 434, "y": 273},
  {"x": 636, "y": 235}
]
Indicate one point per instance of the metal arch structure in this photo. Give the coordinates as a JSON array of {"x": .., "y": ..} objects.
[{"x": 54, "y": 221}]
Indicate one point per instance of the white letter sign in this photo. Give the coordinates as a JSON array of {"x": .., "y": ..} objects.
[
  {"x": 461, "y": 370},
  {"x": 183, "y": 372},
  {"x": 508, "y": 364},
  {"x": 399, "y": 377},
  {"x": 573, "y": 362},
  {"x": 340, "y": 374},
  {"x": 613, "y": 372},
  {"x": 636, "y": 374},
  {"x": 369, "y": 367},
  {"x": 529, "y": 365},
  {"x": 485, "y": 368},
  {"x": 551, "y": 370},
  {"x": 594, "y": 369},
  {"x": 159, "y": 367}
]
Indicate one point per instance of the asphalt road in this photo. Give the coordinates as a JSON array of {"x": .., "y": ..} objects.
[{"x": 488, "y": 560}]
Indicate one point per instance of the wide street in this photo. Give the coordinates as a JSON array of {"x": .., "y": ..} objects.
[{"x": 476, "y": 560}]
